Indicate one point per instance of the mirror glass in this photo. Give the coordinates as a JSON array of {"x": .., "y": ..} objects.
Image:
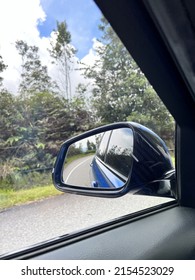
[{"x": 103, "y": 160}]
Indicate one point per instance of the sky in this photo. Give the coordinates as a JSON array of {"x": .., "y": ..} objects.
[
  {"x": 34, "y": 21},
  {"x": 82, "y": 17}
]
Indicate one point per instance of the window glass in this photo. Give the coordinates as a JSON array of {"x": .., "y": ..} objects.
[
  {"x": 103, "y": 145},
  {"x": 120, "y": 149},
  {"x": 61, "y": 75}
]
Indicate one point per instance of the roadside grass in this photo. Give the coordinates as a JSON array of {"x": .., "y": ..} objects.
[
  {"x": 10, "y": 197},
  {"x": 22, "y": 189}
]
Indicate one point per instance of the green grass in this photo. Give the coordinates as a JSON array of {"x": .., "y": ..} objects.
[
  {"x": 9, "y": 198},
  {"x": 26, "y": 188}
]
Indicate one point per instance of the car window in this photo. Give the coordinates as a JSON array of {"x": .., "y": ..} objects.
[
  {"x": 62, "y": 75},
  {"x": 101, "y": 151},
  {"x": 119, "y": 151}
]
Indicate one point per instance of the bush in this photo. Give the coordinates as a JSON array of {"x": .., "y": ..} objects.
[{"x": 17, "y": 180}]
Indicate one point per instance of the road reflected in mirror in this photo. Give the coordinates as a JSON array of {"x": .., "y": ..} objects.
[
  {"x": 77, "y": 173},
  {"x": 103, "y": 160}
]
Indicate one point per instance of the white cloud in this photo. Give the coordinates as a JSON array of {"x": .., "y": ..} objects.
[
  {"x": 18, "y": 21},
  {"x": 90, "y": 58},
  {"x": 20, "y": 18}
]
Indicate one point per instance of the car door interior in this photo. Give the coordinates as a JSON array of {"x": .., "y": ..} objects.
[
  {"x": 158, "y": 236},
  {"x": 166, "y": 231}
]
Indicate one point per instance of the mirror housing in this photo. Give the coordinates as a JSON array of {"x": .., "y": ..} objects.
[{"x": 141, "y": 165}]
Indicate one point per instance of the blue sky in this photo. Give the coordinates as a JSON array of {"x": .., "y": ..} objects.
[{"x": 82, "y": 17}]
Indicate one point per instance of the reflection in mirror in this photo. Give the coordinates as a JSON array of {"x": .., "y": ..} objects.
[
  {"x": 103, "y": 160},
  {"x": 77, "y": 167}
]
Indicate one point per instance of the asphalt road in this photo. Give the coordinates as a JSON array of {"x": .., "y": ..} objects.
[
  {"x": 23, "y": 226},
  {"x": 77, "y": 173}
]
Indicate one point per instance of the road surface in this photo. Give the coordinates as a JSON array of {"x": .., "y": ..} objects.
[
  {"x": 25, "y": 225},
  {"x": 77, "y": 173}
]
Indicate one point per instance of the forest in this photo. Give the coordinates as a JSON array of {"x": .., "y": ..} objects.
[{"x": 44, "y": 112}]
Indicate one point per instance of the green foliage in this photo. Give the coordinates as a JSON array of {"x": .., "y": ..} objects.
[
  {"x": 73, "y": 151},
  {"x": 91, "y": 146},
  {"x": 34, "y": 76},
  {"x": 62, "y": 52},
  {"x": 2, "y": 68},
  {"x": 33, "y": 128},
  {"x": 62, "y": 40},
  {"x": 153, "y": 114},
  {"x": 34, "y": 123},
  {"x": 120, "y": 90},
  {"x": 19, "y": 180}
]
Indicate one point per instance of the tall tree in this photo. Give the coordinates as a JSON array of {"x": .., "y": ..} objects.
[
  {"x": 120, "y": 90},
  {"x": 34, "y": 75},
  {"x": 62, "y": 52}
]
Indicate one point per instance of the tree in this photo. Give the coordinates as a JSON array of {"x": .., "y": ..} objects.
[
  {"x": 118, "y": 82},
  {"x": 90, "y": 146},
  {"x": 120, "y": 90},
  {"x": 62, "y": 53},
  {"x": 8, "y": 127},
  {"x": 2, "y": 68},
  {"x": 35, "y": 123},
  {"x": 34, "y": 75},
  {"x": 64, "y": 119},
  {"x": 33, "y": 128}
]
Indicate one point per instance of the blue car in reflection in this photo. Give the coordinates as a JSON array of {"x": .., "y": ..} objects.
[
  {"x": 118, "y": 158},
  {"x": 103, "y": 176}
]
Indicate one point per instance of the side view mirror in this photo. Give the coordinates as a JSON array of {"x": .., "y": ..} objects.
[{"x": 112, "y": 160}]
